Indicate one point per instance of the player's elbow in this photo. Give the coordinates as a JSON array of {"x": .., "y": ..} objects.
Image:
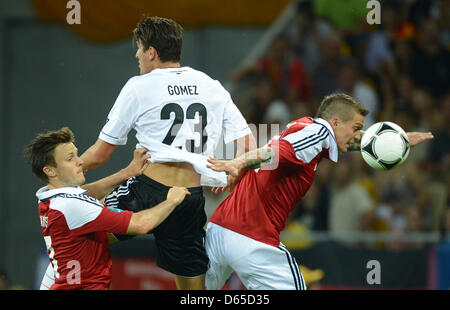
[
  {"x": 98, "y": 159},
  {"x": 97, "y": 154},
  {"x": 144, "y": 228},
  {"x": 140, "y": 225}
]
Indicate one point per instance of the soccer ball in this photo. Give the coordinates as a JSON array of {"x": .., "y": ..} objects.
[{"x": 384, "y": 146}]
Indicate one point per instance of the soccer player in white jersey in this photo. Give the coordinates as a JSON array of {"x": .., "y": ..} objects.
[
  {"x": 74, "y": 223},
  {"x": 244, "y": 231},
  {"x": 179, "y": 115}
]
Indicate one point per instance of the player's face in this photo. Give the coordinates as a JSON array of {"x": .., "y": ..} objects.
[
  {"x": 69, "y": 169},
  {"x": 348, "y": 132},
  {"x": 145, "y": 59}
]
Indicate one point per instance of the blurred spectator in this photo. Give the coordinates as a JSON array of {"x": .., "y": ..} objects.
[
  {"x": 286, "y": 72},
  {"x": 254, "y": 104},
  {"x": 279, "y": 113},
  {"x": 403, "y": 184},
  {"x": 404, "y": 89},
  {"x": 403, "y": 54},
  {"x": 415, "y": 220},
  {"x": 439, "y": 152},
  {"x": 306, "y": 33},
  {"x": 421, "y": 108},
  {"x": 431, "y": 62},
  {"x": 351, "y": 83},
  {"x": 399, "y": 190},
  {"x": 437, "y": 165},
  {"x": 379, "y": 50},
  {"x": 302, "y": 109},
  {"x": 410, "y": 220},
  {"x": 351, "y": 207},
  {"x": 326, "y": 75},
  {"x": 415, "y": 223},
  {"x": 420, "y": 10},
  {"x": 443, "y": 15}
]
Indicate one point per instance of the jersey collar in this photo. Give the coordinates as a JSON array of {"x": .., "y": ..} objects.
[
  {"x": 333, "y": 152},
  {"x": 45, "y": 193}
]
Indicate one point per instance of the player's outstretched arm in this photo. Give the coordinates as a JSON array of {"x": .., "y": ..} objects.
[
  {"x": 144, "y": 221},
  {"x": 248, "y": 161},
  {"x": 414, "y": 138},
  {"x": 103, "y": 187},
  {"x": 418, "y": 137},
  {"x": 245, "y": 144}
]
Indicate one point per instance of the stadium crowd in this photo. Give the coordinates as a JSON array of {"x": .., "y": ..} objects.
[{"x": 399, "y": 69}]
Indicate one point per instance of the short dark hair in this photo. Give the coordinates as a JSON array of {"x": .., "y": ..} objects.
[
  {"x": 341, "y": 105},
  {"x": 40, "y": 152},
  {"x": 163, "y": 34}
]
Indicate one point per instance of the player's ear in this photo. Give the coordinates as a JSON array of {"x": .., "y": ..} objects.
[
  {"x": 152, "y": 53},
  {"x": 334, "y": 122},
  {"x": 49, "y": 171}
]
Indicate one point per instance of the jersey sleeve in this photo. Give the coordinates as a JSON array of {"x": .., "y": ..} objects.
[
  {"x": 285, "y": 153},
  {"x": 234, "y": 124},
  {"x": 122, "y": 117},
  {"x": 115, "y": 221},
  {"x": 304, "y": 145},
  {"x": 85, "y": 215}
]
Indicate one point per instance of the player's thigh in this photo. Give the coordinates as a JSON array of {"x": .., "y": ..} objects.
[
  {"x": 216, "y": 275},
  {"x": 216, "y": 245},
  {"x": 270, "y": 268}
]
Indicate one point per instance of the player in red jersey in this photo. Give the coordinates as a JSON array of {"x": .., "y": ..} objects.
[
  {"x": 243, "y": 234},
  {"x": 76, "y": 226}
]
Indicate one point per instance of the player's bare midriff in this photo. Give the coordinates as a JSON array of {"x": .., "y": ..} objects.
[{"x": 174, "y": 174}]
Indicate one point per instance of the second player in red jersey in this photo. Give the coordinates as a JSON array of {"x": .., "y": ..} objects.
[
  {"x": 261, "y": 202},
  {"x": 244, "y": 232}
]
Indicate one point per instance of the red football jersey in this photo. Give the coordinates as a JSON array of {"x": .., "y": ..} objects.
[
  {"x": 74, "y": 227},
  {"x": 261, "y": 202}
]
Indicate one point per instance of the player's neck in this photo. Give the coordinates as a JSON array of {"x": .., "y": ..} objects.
[
  {"x": 55, "y": 184},
  {"x": 168, "y": 64}
]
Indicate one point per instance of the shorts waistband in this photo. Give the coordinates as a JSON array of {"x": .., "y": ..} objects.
[{"x": 151, "y": 182}]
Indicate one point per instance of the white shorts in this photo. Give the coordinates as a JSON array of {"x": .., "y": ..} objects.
[{"x": 259, "y": 266}]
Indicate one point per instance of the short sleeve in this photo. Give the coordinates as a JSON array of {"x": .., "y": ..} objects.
[
  {"x": 234, "y": 124},
  {"x": 108, "y": 220},
  {"x": 284, "y": 153},
  {"x": 122, "y": 117},
  {"x": 308, "y": 142}
]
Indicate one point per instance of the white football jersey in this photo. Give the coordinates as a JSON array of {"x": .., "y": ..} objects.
[{"x": 179, "y": 114}]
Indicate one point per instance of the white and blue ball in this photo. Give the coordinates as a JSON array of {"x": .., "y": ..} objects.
[{"x": 385, "y": 146}]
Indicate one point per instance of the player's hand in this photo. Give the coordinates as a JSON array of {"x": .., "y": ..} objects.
[
  {"x": 231, "y": 183},
  {"x": 177, "y": 194},
  {"x": 228, "y": 166},
  {"x": 139, "y": 163},
  {"x": 418, "y": 137}
]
